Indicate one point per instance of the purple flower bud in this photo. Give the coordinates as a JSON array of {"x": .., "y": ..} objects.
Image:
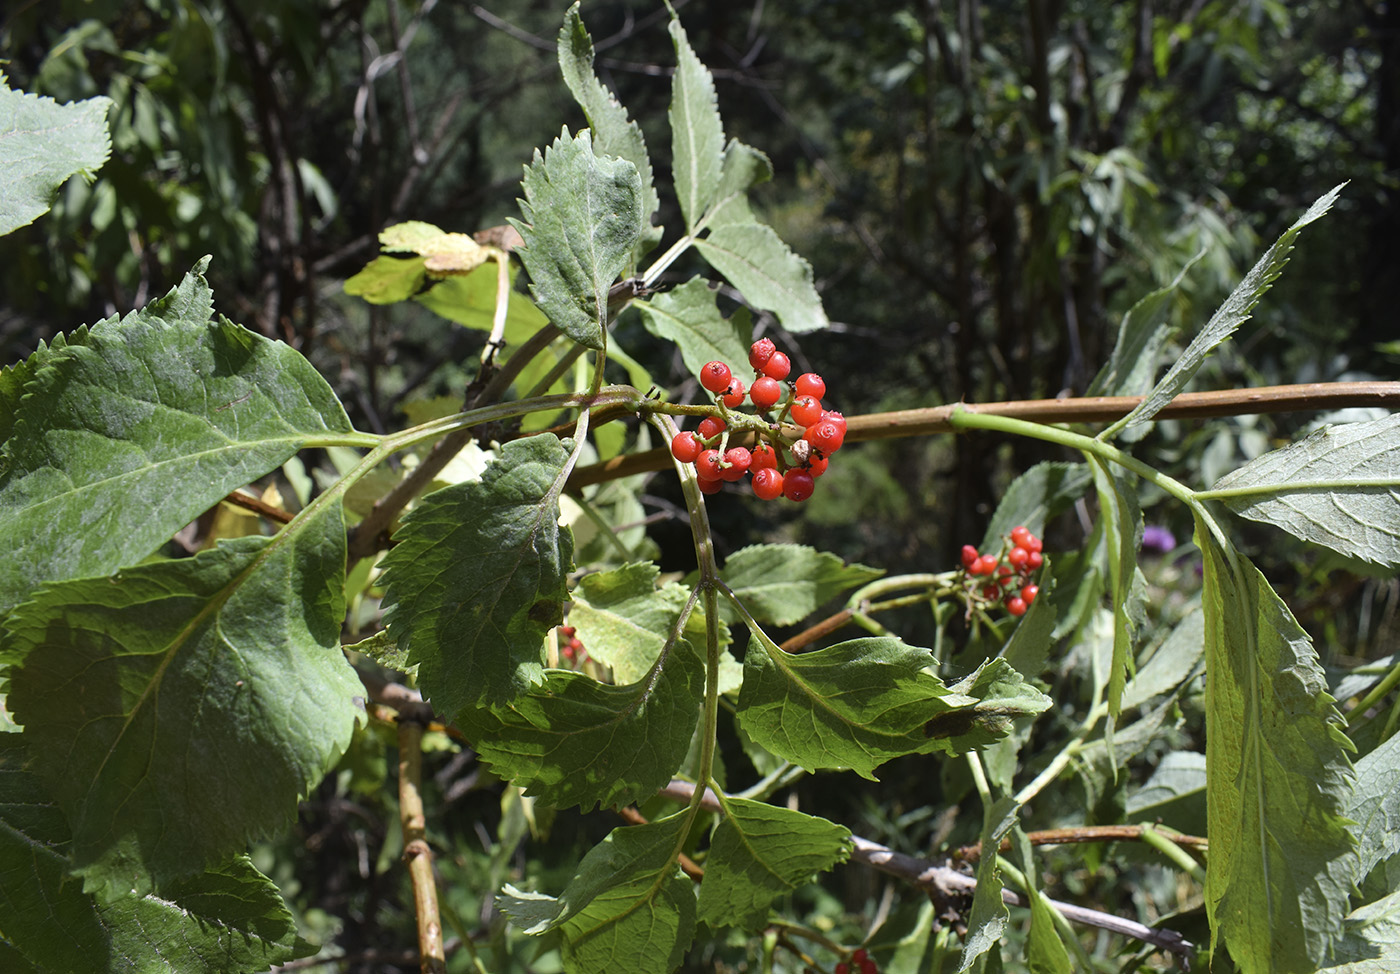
[{"x": 1157, "y": 539}]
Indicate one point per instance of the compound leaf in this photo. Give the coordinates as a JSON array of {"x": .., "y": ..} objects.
[
  {"x": 582, "y": 217},
  {"x": 160, "y": 694},
  {"x": 42, "y": 144},
  {"x": 697, "y": 134},
  {"x": 624, "y": 619},
  {"x": 782, "y": 583},
  {"x": 479, "y": 574},
  {"x": 128, "y": 431},
  {"x": 862, "y": 702},
  {"x": 1338, "y": 487},
  {"x": 767, "y": 272},
  {"x": 760, "y": 852},
  {"x": 1233, "y": 313},
  {"x": 575, "y": 741},
  {"x": 1281, "y": 860},
  {"x": 689, "y": 317}
]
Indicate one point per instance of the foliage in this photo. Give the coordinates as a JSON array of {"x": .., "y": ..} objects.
[{"x": 171, "y": 706}]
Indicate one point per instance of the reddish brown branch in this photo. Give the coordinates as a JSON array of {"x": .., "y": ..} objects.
[
  {"x": 416, "y": 851},
  {"x": 1085, "y": 833}
]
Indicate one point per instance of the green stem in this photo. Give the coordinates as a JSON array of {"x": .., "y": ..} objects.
[
  {"x": 1066, "y": 755},
  {"x": 1376, "y": 694},
  {"x": 1182, "y": 859},
  {"x": 1297, "y": 486}
]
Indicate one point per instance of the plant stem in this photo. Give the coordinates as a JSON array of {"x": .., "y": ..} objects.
[
  {"x": 1162, "y": 842},
  {"x": 416, "y": 851}
]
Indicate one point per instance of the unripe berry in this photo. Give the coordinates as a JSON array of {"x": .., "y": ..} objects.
[
  {"x": 715, "y": 376},
  {"x": 778, "y": 366}
]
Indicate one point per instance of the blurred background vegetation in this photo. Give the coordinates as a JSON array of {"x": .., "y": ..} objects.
[{"x": 983, "y": 188}]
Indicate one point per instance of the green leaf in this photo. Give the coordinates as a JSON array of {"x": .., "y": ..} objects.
[
  {"x": 689, "y": 317},
  {"x": 1375, "y": 805},
  {"x": 1338, "y": 487},
  {"x": 986, "y": 925},
  {"x": 1174, "y": 661},
  {"x": 624, "y": 619},
  {"x": 766, "y": 272},
  {"x": 1145, "y": 329},
  {"x": 158, "y": 695},
  {"x": 1281, "y": 860},
  {"x": 760, "y": 852},
  {"x": 1370, "y": 941},
  {"x": 782, "y": 584},
  {"x": 1233, "y": 313},
  {"x": 479, "y": 575},
  {"x": 628, "y": 908},
  {"x": 43, "y": 144},
  {"x": 860, "y": 703},
  {"x": 697, "y": 134},
  {"x": 230, "y": 916},
  {"x": 1035, "y": 497},
  {"x": 575, "y": 741},
  {"x": 1028, "y": 649},
  {"x": 614, "y": 133},
  {"x": 582, "y": 216},
  {"x": 386, "y": 280},
  {"x": 743, "y": 168},
  {"x": 1121, "y": 518},
  {"x": 1179, "y": 775},
  {"x": 129, "y": 431}
]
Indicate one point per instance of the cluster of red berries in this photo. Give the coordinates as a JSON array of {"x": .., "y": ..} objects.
[
  {"x": 779, "y": 469},
  {"x": 1008, "y": 582},
  {"x": 570, "y": 646},
  {"x": 860, "y": 961}
]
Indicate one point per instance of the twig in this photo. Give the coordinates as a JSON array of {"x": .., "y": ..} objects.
[
  {"x": 947, "y": 882},
  {"x": 688, "y": 865},
  {"x": 416, "y": 851},
  {"x": 1084, "y": 833}
]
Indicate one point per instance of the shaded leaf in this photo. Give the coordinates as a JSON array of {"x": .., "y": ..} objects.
[
  {"x": 129, "y": 431},
  {"x": 1143, "y": 332},
  {"x": 1370, "y": 941},
  {"x": 689, "y": 317},
  {"x": 575, "y": 741},
  {"x": 1121, "y": 517},
  {"x": 760, "y": 852},
  {"x": 158, "y": 694},
  {"x": 1338, "y": 487},
  {"x": 42, "y": 145},
  {"x": 1174, "y": 661},
  {"x": 1036, "y": 497},
  {"x": 479, "y": 575},
  {"x": 1233, "y": 313},
  {"x": 697, "y": 134},
  {"x": 1375, "y": 805},
  {"x": 986, "y": 924},
  {"x": 782, "y": 584},
  {"x": 768, "y": 274},
  {"x": 582, "y": 216},
  {"x": 1281, "y": 860},
  {"x": 862, "y": 702}
]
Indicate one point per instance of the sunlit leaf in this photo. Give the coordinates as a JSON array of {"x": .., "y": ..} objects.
[
  {"x": 688, "y": 317},
  {"x": 783, "y": 584},
  {"x": 42, "y": 144},
  {"x": 1370, "y": 940},
  {"x": 768, "y": 274},
  {"x": 697, "y": 134}
]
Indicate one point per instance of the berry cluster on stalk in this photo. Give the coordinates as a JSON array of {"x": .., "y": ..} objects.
[
  {"x": 1005, "y": 578},
  {"x": 778, "y": 467}
]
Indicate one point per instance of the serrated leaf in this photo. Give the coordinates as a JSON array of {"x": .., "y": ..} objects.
[
  {"x": 1179, "y": 774},
  {"x": 628, "y": 908},
  {"x": 986, "y": 924},
  {"x": 697, "y": 134},
  {"x": 760, "y": 852},
  {"x": 1028, "y": 649},
  {"x": 1281, "y": 860},
  {"x": 1121, "y": 517},
  {"x": 614, "y": 133},
  {"x": 743, "y": 168},
  {"x": 783, "y": 584},
  {"x": 766, "y": 271},
  {"x": 1143, "y": 332},
  {"x": 1375, "y": 805},
  {"x": 624, "y": 619},
  {"x": 386, "y": 280},
  {"x": 862, "y": 702},
  {"x": 230, "y": 916},
  {"x": 1174, "y": 662},
  {"x": 42, "y": 145},
  {"x": 478, "y": 575},
  {"x": 582, "y": 217},
  {"x": 158, "y": 694},
  {"x": 575, "y": 741},
  {"x": 1338, "y": 487},
  {"x": 689, "y": 317},
  {"x": 1370, "y": 941},
  {"x": 1035, "y": 497},
  {"x": 1233, "y": 313},
  {"x": 443, "y": 253},
  {"x": 129, "y": 431}
]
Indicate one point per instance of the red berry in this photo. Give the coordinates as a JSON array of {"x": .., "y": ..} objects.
[
  {"x": 806, "y": 410},
  {"x": 760, "y": 352},
  {"x": 868, "y": 966},
  {"x": 860, "y": 955},
  {"x": 1029, "y": 593},
  {"x": 826, "y": 436},
  {"x": 1016, "y": 557},
  {"x": 734, "y": 398},
  {"x": 984, "y": 565},
  {"x": 707, "y": 465},
  {"x": 711, "y": 486},
  {"x": 969, "y": 556},
  {"x": 710, "y": 427},
  {"x": 1034, "y": 545},
  {"x": 817, "y": 464},
  {"x": 991, "y": 593},
  {"x": 761, "y": 456},
  {"x": 685, "y": 447},
  {"x": 798, "y": 484},
  {"x": 1016, "y": 605},
  {"x": 767, "y": 483},
  {"x": 1019, "y": 536},
  {"x": 842, "y": 968},
  {"x": 1003, "y": 576},
  {"x": 778, "y": 366},
  {"x": 738, "y": 459},
  {"x": 834, "y": 417},
  {"x": 1034, "y": 560},
  {"x": 766, "y": 391},
  {"x": 715, "y": 376},
  {"x": 810, "y": 384}
]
